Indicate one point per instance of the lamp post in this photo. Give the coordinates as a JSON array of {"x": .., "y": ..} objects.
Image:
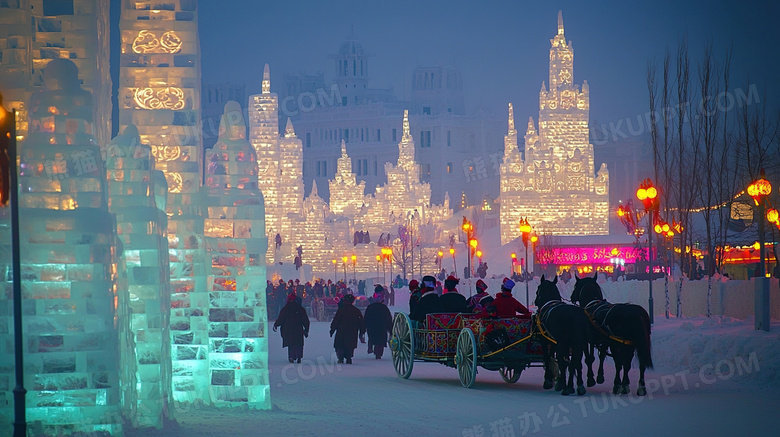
[
  {"x": 468, "y": 228},
  {"x": 378, "y": 258},
  {"x": 512, "y": 264},
  {"x": 525, "y": 232},
  {"x": 8, "y": 145},
  {"x": 354, "y": 267},
  {"x": 648, "y": 194},
  {"x": 472, "y": 250},
  {"x": 440, "y": 255},
  {"x": 344, "y": 260},
  {"x": 758, "y": 190},
  {"x": 454, "y": 264},
  {"x": 334, "y": 271}
]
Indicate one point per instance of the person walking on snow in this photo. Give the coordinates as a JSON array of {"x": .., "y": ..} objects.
[
  {"x": 348, "y": 324},
  {"x": 379, "y": 323},
  {"x": 295, "y": 326}
]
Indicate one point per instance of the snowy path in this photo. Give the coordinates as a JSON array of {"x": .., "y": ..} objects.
[{"x": 321, "y": 398}]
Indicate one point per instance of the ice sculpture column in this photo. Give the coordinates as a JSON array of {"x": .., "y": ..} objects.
[
  {"x": 71, "y": 317},
  {"x": 160, "y": 94},
  {"x": 142, "y": 228},
  {"x": 236, "y": 242}
]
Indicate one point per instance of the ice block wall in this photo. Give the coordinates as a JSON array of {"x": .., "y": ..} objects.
[
  {"x": 71, "y": 314},
  {"x": 144, "y": 268},
  {"x": 236, "y": 243}
]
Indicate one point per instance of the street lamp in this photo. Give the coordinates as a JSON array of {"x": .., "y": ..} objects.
[
  {"x": 468, "y": 228},
  {"x": 378, "y": 258},
  {"x": 512, "y": 265},
  {"x": 334, "y": 271},
  {"x": 344, "y": 258},
  {"x": 648, "y": 195},
  {"x": 8, "y": 145},
  {"x": 525, "y": 232},
  {"x": 354, "y": 267},
  {"x": 454, "y": 264},
  {"x": 441, "y": 256},
  {"x": 758, "y": 190}
]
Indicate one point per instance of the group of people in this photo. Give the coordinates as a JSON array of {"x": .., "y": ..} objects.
[
  {"x": 349, "y": 325},
  {"x": 424, "y": 300}
]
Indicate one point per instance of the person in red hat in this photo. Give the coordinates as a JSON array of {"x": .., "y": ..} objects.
[
  {"x": 481, "y": 300},
  {"x": 506, "y": 305},
  {"x": 414, "y": 294},
  {"x": 451, "y": 300},
  {"x": 295, "y": 326}
]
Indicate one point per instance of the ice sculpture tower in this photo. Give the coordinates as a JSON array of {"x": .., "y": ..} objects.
[
  {"x": 236, "y": 242},
  {"x": 144, "y": 269},
  {"x": 279, "y": 167},
  {"x": 346, "y": 194},
  {"x": 160, "y": 94},
  {"x": 555, "y": 184},
  {"x": 71, "y": 316}
]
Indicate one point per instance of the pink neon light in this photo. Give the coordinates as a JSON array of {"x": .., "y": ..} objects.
[{"x": 591, "y": 255}]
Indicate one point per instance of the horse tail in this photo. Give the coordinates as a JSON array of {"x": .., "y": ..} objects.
[{"x": 643, "y": 343}]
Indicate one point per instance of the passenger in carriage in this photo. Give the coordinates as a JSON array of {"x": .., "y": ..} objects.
[
  {"x": 506, "y": 305},
  {"x": 482, "y": 299},
  {"x": 451, "y": 300},
  {"x": 414, "y": 294},
  {"x": 429, "y": 301}
]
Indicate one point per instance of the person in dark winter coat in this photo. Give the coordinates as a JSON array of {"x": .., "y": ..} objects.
[
  {"x": 429, "y": 301},
  {"x": 506, "y": 305},
  {"x": 295, "y": 326},
  {"x": 451, "y": 300},
  {"x": 481, "y": 300},
  {"x": 414, "y": 294},
  {"x": 348, "y": 324},
  {"x": 379, "y": 323}
]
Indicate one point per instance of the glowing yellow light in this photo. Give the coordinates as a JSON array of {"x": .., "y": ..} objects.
[
  {"x": 441, "y": 254},
  {"x": 473, "y": 243},
  {"x": 514, "y": 255},
  {"x": 772, "y": 215},
  {"x": 344, "y": 258},
  {"x": 614, "y": 251},
  {"x": 333, "y": 261},
  {"x": 658, "y": 229},
  {"x": 652, "y": 193},
  {"x": 479, "y": 254},
  {"x": 354, "y": 258},
  {"x": 756, "y": 245},
  {"x": 534, "y": 238},
  {"x": 452, "y": 251},
  {"x": 147, "y": 42},
  {"x": 159, "y": 98},
  {"x": 378, "y": 257},
  {"x": 641, "y": 194},
  {"x": 665, "y": 227}
]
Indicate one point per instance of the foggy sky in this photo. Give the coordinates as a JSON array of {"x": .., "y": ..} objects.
[{"x": 501, "y": 47}]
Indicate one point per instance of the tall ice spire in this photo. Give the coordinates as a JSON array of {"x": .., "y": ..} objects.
[
  {"x": 343, "y": 148},
  {"x": 531, "y": 129},
  {"x": 511, "y": 120},
  {"x": 560, "y": 22},
  {"x": 266, "y": 79},
  {"x": 407, "y": 135},
  {"x": 289, "y": 130}
]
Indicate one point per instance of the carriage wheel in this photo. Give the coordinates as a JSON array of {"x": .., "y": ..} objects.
[
  {"x": 510, "y": 374},
  {"x": 466, "y": 357},
  {"x": 402, "y": 345},
  {"x": 322, "y": 316}
]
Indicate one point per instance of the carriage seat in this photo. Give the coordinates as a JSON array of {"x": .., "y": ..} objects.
[{"x": 442, "y": 321}]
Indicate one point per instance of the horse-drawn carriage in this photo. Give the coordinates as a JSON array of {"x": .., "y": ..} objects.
[
  {"x": 324, "y": 308},
  {"x": 464, "y": 341}
]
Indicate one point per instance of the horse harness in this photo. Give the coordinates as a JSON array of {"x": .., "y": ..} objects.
[
  {"x": 598, "y": 311},
  {"x": 543, "y": 314}
]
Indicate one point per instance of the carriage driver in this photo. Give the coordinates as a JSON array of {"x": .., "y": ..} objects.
[{"x": 506, "y": 305}]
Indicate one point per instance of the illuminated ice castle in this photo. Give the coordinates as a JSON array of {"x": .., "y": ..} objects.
[{"x": 555, "y": 184}]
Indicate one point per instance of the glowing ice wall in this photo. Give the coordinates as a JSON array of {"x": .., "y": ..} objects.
[
  {"x": 160, "y": 94},
  {"x": 236, "y": 242},
  {"x": 72, "y": 315},
  {"x": 555, "y": 184},
  {"x": 141, "y": 227}
]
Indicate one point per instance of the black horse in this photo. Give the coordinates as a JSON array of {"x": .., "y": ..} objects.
[
  {"x": 566, "y": 327},
  {"x": 623, "y": 328}
]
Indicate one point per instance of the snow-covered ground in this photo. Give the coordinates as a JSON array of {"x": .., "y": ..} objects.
[{"x": 712, "y": 377}]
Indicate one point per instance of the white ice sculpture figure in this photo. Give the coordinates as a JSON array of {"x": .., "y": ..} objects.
[
  {"x": 71, "y": 315},
  {"x": 236, "y": 243},
  {"x": 142, "y": 229}
]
